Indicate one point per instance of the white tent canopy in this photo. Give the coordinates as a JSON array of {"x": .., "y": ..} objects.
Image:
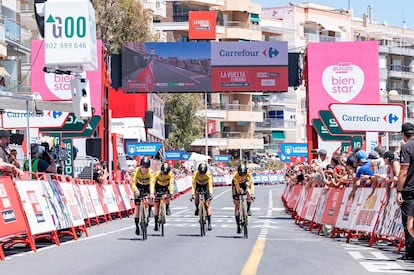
[{"x": 198, "y": 157}]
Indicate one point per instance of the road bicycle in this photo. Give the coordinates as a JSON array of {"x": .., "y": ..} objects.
[
  {"x": 143, "y": 217},
  {"x": 244, "y": 220},
  {"x": 202, "y": 211},
  {"x": 162, "y": 214}
]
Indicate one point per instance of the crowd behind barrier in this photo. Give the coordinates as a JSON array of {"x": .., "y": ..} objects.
[
  {"x": 348, "y": 195},
  {"x": 50, "y": 207}
]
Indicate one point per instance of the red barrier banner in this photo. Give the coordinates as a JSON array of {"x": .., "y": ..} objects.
[
  {"x": 390, "y": 223},
  {"x": 333, "y": 203},
  {"x": 12, "y": 219},
  {"x": 87, "y": 201},
  {"x": 348, "y": 209},
  {"x": 118, "y": 197},
  {"x": 313, "y": 202},
  {"x": 303, "y": 202},
  {"x": 321, "y": 206},
  {"x": 72, "y": 204},
  {"x": 96, "y": 200},
  {"x": 369, "y": 209},
  {"x": 293, "y": 196},
  {"x": 109, "y": 197},
  {"x": 58, "y": 209},
  {"x": 126, "y": 199},
  {"x": 35, "y": 206}
]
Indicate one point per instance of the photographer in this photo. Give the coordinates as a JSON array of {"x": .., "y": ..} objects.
[
  {"x": 38, "y": 160},
  {"x": 100, "y": 173}
]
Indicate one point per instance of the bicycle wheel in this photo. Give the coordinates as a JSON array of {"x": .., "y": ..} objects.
[
  {"x": 202, "y": 220},
  {"x": 162, "y": 218},
  {"x": 143, "y": 223},
  {"x": 244, "y": 217}
]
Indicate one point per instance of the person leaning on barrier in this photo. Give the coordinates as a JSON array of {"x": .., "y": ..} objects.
[
  {"x": 363, "y": 174},
  {"x": 6, "y": 168},
  {"x": 38, "y": 164},
  {"x": 100, "y": 173},
  {"x": 405, "y": 188}
]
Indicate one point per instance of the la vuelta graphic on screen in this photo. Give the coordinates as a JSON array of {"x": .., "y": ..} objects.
[
  {"x": 233, "y": 79},
  {"x": 343, "y": 81}
]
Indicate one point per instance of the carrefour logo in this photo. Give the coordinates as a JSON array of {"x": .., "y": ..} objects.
[
  {"x": 54, "y": 114},
  {"x": 391, "y": 118},
  {"x": 68, "y": 27},
  {"x": 271, "y": 52}
]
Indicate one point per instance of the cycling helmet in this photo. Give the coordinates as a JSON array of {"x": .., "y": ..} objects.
[
  {"x": 202, "y": 168},
  {"x": 165, "y": 168},
  {"x": 242, "y": 170},
  {"x": 145, "y": 162}
]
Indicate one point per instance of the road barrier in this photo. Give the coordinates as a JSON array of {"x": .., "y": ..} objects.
[
  {"x": 373, "y": 214},
  {"x": 40, "y": 206}
]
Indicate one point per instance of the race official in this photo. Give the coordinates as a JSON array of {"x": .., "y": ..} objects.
[{"x": 405, "y": 186}]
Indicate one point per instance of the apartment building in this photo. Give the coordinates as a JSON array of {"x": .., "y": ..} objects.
[
  {"x": 300, "y": 24},
  {"x": 16, "y": 31},
  {"x": 233, "y": 114}
]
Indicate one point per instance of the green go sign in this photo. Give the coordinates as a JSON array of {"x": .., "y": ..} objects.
[{"x": 68, "y": 27}]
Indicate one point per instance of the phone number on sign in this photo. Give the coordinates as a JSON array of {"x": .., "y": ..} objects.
[{"x": 66, "y": 45}]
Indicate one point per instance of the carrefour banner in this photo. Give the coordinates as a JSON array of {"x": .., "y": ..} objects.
[{"x": 204, "y": 66}]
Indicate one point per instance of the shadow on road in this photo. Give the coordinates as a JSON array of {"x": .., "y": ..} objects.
[
  {"x": 188, "y": 235},
  {"x": 230, "y": 237}
]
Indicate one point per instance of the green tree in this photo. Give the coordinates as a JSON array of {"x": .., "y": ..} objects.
[
  {"x": 120, "y": 21},
  {"x": 180, "y": 112}
]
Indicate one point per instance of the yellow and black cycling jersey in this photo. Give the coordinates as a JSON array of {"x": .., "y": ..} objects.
[
  {"x": 203, "y": 181},
  {"x": 164, "y": 181},
  {"x": 143, "y": 181},
  {"x": 239, "y": 183}
]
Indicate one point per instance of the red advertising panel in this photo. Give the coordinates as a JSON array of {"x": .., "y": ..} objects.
[
  {"x": 342, "y": 72},
  {"x": 12, "y": 218},
  {"x": 211, "y": 129},
  {"x": 249, "y": 78},
  {"x": 202, "y": 25}
]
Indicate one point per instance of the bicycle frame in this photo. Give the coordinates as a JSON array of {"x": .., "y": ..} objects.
[
  {"x": 244, "y": 220},
  {"x": 202, "y": 212},
  {"x": 162, "y": 214},
  {"x": 143, "y": 217}
]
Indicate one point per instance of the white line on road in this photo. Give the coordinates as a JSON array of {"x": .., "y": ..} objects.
[{"x": 356, "y": 255}]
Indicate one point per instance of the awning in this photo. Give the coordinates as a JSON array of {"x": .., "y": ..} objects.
[
  {"x": 254, "y": 17},
  {"x": 330, "y": 27},
  {"x": 278, "y": 135},
  {"x": 17, "y": 101}
]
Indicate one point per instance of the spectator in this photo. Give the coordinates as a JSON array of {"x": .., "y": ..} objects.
[
  {"x": 6, "y": 168},
  {"x": 100, "y": 173},
  {"x": 363, "y": 173},
  {"x": 38, "y": 164},
  {"x": 323, "y": 159},
  {"x": 13, "y": 158}
]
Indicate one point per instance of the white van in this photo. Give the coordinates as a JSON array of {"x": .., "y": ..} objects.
[{"x": 130, "y": 127}]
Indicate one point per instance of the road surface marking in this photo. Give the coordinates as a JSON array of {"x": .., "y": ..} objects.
[
  {"x": 250, "y": 267},
  {"x": 383, "y": 267}
]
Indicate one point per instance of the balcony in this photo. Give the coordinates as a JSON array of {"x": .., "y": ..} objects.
[
  {"x": 241, "y": 30},
  {"x": 398, "y": 71},
  {"x": 314, "y": 37},
  {"x": 207, "y": 3},
  {"x": 149, "y": 5},
  {"x": 271, "y": 124}
]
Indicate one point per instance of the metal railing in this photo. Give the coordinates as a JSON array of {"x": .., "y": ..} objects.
[{"x": 276, "y": 123}]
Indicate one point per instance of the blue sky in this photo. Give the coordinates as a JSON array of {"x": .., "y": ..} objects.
[{"x": 392, "y": 11}]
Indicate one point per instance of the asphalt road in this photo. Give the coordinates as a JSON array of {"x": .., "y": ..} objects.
[{"x": 276, "y": 245}]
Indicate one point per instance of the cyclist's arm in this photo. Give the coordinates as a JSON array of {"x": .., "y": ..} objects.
[
  {"x": 236, "y": 185},
  {"x": 134, "y": 181},
  {"x": 152, "y": 184},
  {"x": 210, "y": 184},
  {"x": 193, "y": 186},
  {"x": 251, "y": 183},
  {"x": 171, "y": 185}
]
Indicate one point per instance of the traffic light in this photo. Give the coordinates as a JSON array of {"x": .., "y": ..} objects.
[{"x": 81, "y": 98}]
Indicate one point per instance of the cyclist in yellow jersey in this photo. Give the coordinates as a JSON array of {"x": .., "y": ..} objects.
[
  {"x": 142, "y": 184},
  {"x": 163, "y": 184},
  {"x": 242, "y": 181},
  {"x": 202, "y": 180}
]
